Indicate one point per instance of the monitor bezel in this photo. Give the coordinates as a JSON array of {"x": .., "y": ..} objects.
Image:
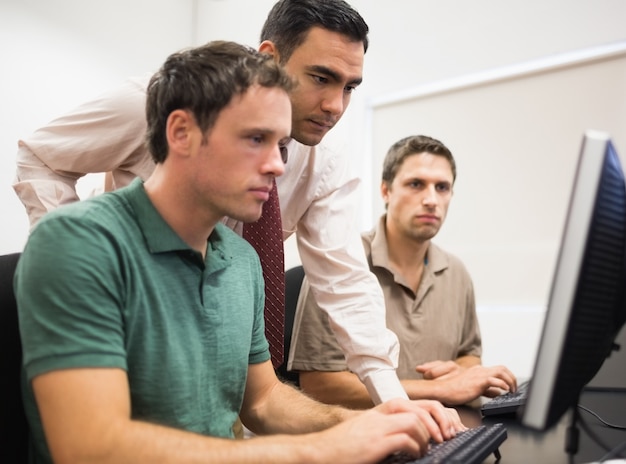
[{"x": 536, "y": 411}]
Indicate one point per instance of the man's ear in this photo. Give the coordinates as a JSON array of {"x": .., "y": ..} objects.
[
  {"x": 179, "y": 131},
  {"x": 267, "y": 46},
  {"x": 384, "y": 191}
]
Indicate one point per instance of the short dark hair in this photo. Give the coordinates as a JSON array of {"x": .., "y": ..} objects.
[
  {"x": 204, "y": 80},
  {"x": 289, "y": 22},
  {"x": 413, "y": 145}
]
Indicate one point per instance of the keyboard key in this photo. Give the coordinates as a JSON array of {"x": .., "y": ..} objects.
[
  {"x": 508, "y": 403},
  {"x": 472, "y": 446}
]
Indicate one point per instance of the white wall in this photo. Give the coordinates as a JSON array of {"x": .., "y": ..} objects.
[{"x": 57, "y": 53}]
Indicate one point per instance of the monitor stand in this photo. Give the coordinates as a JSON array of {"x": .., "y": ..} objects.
[
  {"x": 612, "y": 374},
  {"x": 572, "y": 434}
]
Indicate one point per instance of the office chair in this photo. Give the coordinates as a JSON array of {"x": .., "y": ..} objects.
[
  {"x": 293, "y": 283},
  {"x": 14, "y": 447}
]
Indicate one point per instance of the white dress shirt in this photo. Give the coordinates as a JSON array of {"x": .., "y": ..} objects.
[{"x": 317, "y": 199}]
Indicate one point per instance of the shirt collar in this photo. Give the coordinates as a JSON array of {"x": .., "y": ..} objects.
[
  {"x": 437, "y": 259},
  {"x": 157, "y": 233},
  {"x": 161, "y": 238},
  {"x": 284, "y": 150},
  {"x": 378, "y": 245}
]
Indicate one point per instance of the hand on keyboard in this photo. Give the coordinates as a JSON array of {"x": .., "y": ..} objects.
[
  {"x": 442, "y": 423},
  {"x": 470, "y": 447},
  {"x": 456, "y": 385},
  {"x": 507, "y": 403}
]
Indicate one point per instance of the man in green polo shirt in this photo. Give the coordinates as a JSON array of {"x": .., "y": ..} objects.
[{"x": 141, "y": 315}]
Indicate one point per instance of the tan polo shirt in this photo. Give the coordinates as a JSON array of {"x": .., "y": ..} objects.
[{"x": 437, "y": 323}]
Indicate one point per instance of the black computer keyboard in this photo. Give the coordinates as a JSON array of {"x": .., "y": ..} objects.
[
  {"x": 507, "y": 403},
  {"x": 472, "y": 446}
]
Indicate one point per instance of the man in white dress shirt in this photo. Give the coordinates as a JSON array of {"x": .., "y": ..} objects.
[{"x": 322, "y": 45}]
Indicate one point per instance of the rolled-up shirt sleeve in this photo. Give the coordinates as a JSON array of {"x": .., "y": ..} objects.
[
  {"x": 103, "y": 135},
  {"x": 320, "y": 205}
]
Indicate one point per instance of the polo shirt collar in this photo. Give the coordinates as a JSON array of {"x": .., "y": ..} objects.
[
  {"x": 161, "y": 238},
  {"x": 157, "y": 233},
  {"x": 437, "y": 259},
  {"x": 379, "y": 250}
]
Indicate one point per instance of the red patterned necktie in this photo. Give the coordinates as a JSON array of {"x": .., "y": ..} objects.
[{"x": 266, "y": 236}]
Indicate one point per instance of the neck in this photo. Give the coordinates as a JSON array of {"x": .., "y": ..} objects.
[
  {"x": 173, "y": 203},
  {"x": 407, "y": 256}
]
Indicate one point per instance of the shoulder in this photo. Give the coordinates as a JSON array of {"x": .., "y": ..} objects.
[
  {"x": 442, "y": 259},
  {"x": 318, "y": 161},
  {"x": 101, "y": 209},
  {"x": 125, "y": 103},
  {"x": 88, "y": 222},
  {"x": 80, "y": 242},
  {"x": 367, "y": 238},
  {"x": 133, "y": 90}
]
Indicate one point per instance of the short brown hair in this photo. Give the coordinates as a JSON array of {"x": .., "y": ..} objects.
[
  {"x": 204, "y": 80},
  {"x": 413, "y": 145}
]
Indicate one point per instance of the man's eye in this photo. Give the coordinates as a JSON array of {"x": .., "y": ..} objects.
[{"x": 319, "y": 79}]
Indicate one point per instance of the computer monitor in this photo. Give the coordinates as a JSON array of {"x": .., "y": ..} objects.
[{"x": 586, "y": 307}]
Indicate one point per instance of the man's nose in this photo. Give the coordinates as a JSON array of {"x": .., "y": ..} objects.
[
  {"x": 430, "y": 196},
  {"x": 333, "y": 102},
  {"x": 276, "y": 161}
]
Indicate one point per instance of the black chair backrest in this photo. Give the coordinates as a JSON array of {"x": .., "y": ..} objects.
[
  {"x": 293, "y": 283},
  {"x": 14, "y": 446}
]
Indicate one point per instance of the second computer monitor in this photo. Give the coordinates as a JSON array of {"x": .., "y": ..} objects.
[{"x": 586, "y": 307}]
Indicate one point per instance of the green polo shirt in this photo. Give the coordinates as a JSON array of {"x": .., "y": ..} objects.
[{"x": 107, "y": 283}]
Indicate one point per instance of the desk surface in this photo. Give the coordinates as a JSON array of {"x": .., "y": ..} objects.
[{"x": 527, "y": 446}]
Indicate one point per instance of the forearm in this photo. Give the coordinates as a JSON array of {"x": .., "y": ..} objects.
[
  {"x": 289, "y": 411},
  {"x": 86, "y": 416},
  {"x": 463, "y": 385},
  {"x": 421, "y": 389},
  {"x": 98, "y": 136},
  {"x": 140, "y": 442},
  {"x": 468, "y": 361},
  {"x": 39, "y": 188},
  {"x": 343, "y": 388}
]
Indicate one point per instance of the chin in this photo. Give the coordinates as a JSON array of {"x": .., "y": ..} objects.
[
  {"x": 246, "y": 217},
  {"x": 308, "y": 139},
  {"x": 254, "y": 217}
]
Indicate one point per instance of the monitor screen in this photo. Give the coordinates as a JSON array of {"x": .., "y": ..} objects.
[{"x": 586, "y": 306}]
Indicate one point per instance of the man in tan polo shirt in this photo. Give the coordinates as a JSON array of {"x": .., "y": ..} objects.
[{"x": 428, "y": 293}]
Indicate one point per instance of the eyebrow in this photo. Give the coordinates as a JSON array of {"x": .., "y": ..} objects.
[
  {"x": 260, "y": 130},
  {"x": 333, "y": 74},
  {"x": 421, "y": 179}
]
